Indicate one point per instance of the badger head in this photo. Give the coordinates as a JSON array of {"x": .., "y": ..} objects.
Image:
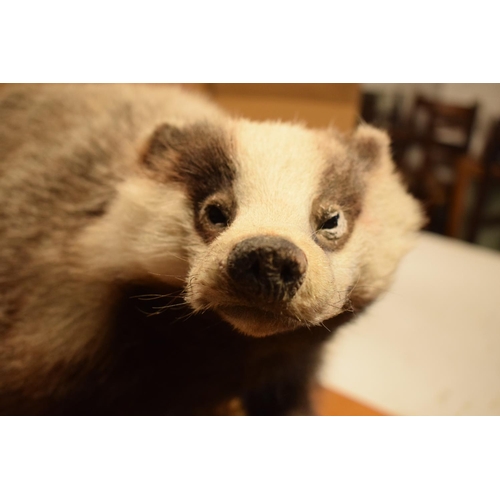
[{"x": 290, "y": 226}]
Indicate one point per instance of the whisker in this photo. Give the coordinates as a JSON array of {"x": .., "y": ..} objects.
[{"x": 154, "y": 296}]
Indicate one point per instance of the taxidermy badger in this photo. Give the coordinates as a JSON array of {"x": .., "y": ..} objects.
[{"x": 160, "y": 257}]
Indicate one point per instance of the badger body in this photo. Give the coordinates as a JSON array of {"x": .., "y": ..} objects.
[{"x": 158, "y": 256}]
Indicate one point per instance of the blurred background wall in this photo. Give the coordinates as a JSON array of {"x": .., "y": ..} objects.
[{"x": 317, "y": 105}]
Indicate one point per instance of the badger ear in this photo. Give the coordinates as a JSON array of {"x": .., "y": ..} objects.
[
  {"x": 371, "y": 146},
  {"x": 162, "y": 146}
]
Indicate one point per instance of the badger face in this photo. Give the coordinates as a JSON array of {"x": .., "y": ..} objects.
[{"x": 290, "y": 226}]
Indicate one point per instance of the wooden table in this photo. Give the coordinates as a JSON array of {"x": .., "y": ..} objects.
[{"x": 331, "y": 403}]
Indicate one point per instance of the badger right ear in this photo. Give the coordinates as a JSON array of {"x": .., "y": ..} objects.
[
  {"x": 371, "y": 146},
  {"x": 163, "y": 146}
]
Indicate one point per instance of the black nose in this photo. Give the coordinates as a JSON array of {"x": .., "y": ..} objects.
[{"x": 268, "y": 267}]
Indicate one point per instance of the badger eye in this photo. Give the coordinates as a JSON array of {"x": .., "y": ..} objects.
[
  {"x": 216, "y": 216},
  {"x": 331, "y": 223}
]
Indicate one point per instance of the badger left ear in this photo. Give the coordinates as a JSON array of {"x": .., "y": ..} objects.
[
  {"x": 162, "y": 147},
  {"x": 371, "y": 146}
]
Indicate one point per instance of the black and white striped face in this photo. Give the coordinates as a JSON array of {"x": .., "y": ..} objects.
[{"x": 290, "y": 226}]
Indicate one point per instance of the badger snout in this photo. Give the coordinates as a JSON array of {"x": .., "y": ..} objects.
[{"x": 267, "y": 267}]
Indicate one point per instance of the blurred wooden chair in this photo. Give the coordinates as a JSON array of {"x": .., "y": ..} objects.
[
  {"x": 437, "y": 135},
  {"x": 485, "y": 170}
]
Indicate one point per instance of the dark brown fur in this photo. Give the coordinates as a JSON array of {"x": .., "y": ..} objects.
[
  {"x": 161, "y": 364},
  {"x": 342, "y": 189},
  {"x": 198, "y": 158}
]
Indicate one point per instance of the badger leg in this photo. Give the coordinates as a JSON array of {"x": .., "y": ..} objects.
[
  {"x": 278, "y": 400},
  {"x": 286, "y": 397},
  {"x": 281, "y": 383}
]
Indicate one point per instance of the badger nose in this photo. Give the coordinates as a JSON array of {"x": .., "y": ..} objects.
[{"x": 268, "y": 267}]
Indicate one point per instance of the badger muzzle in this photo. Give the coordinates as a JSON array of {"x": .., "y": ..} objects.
[{"x": 266, "y": 268}]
